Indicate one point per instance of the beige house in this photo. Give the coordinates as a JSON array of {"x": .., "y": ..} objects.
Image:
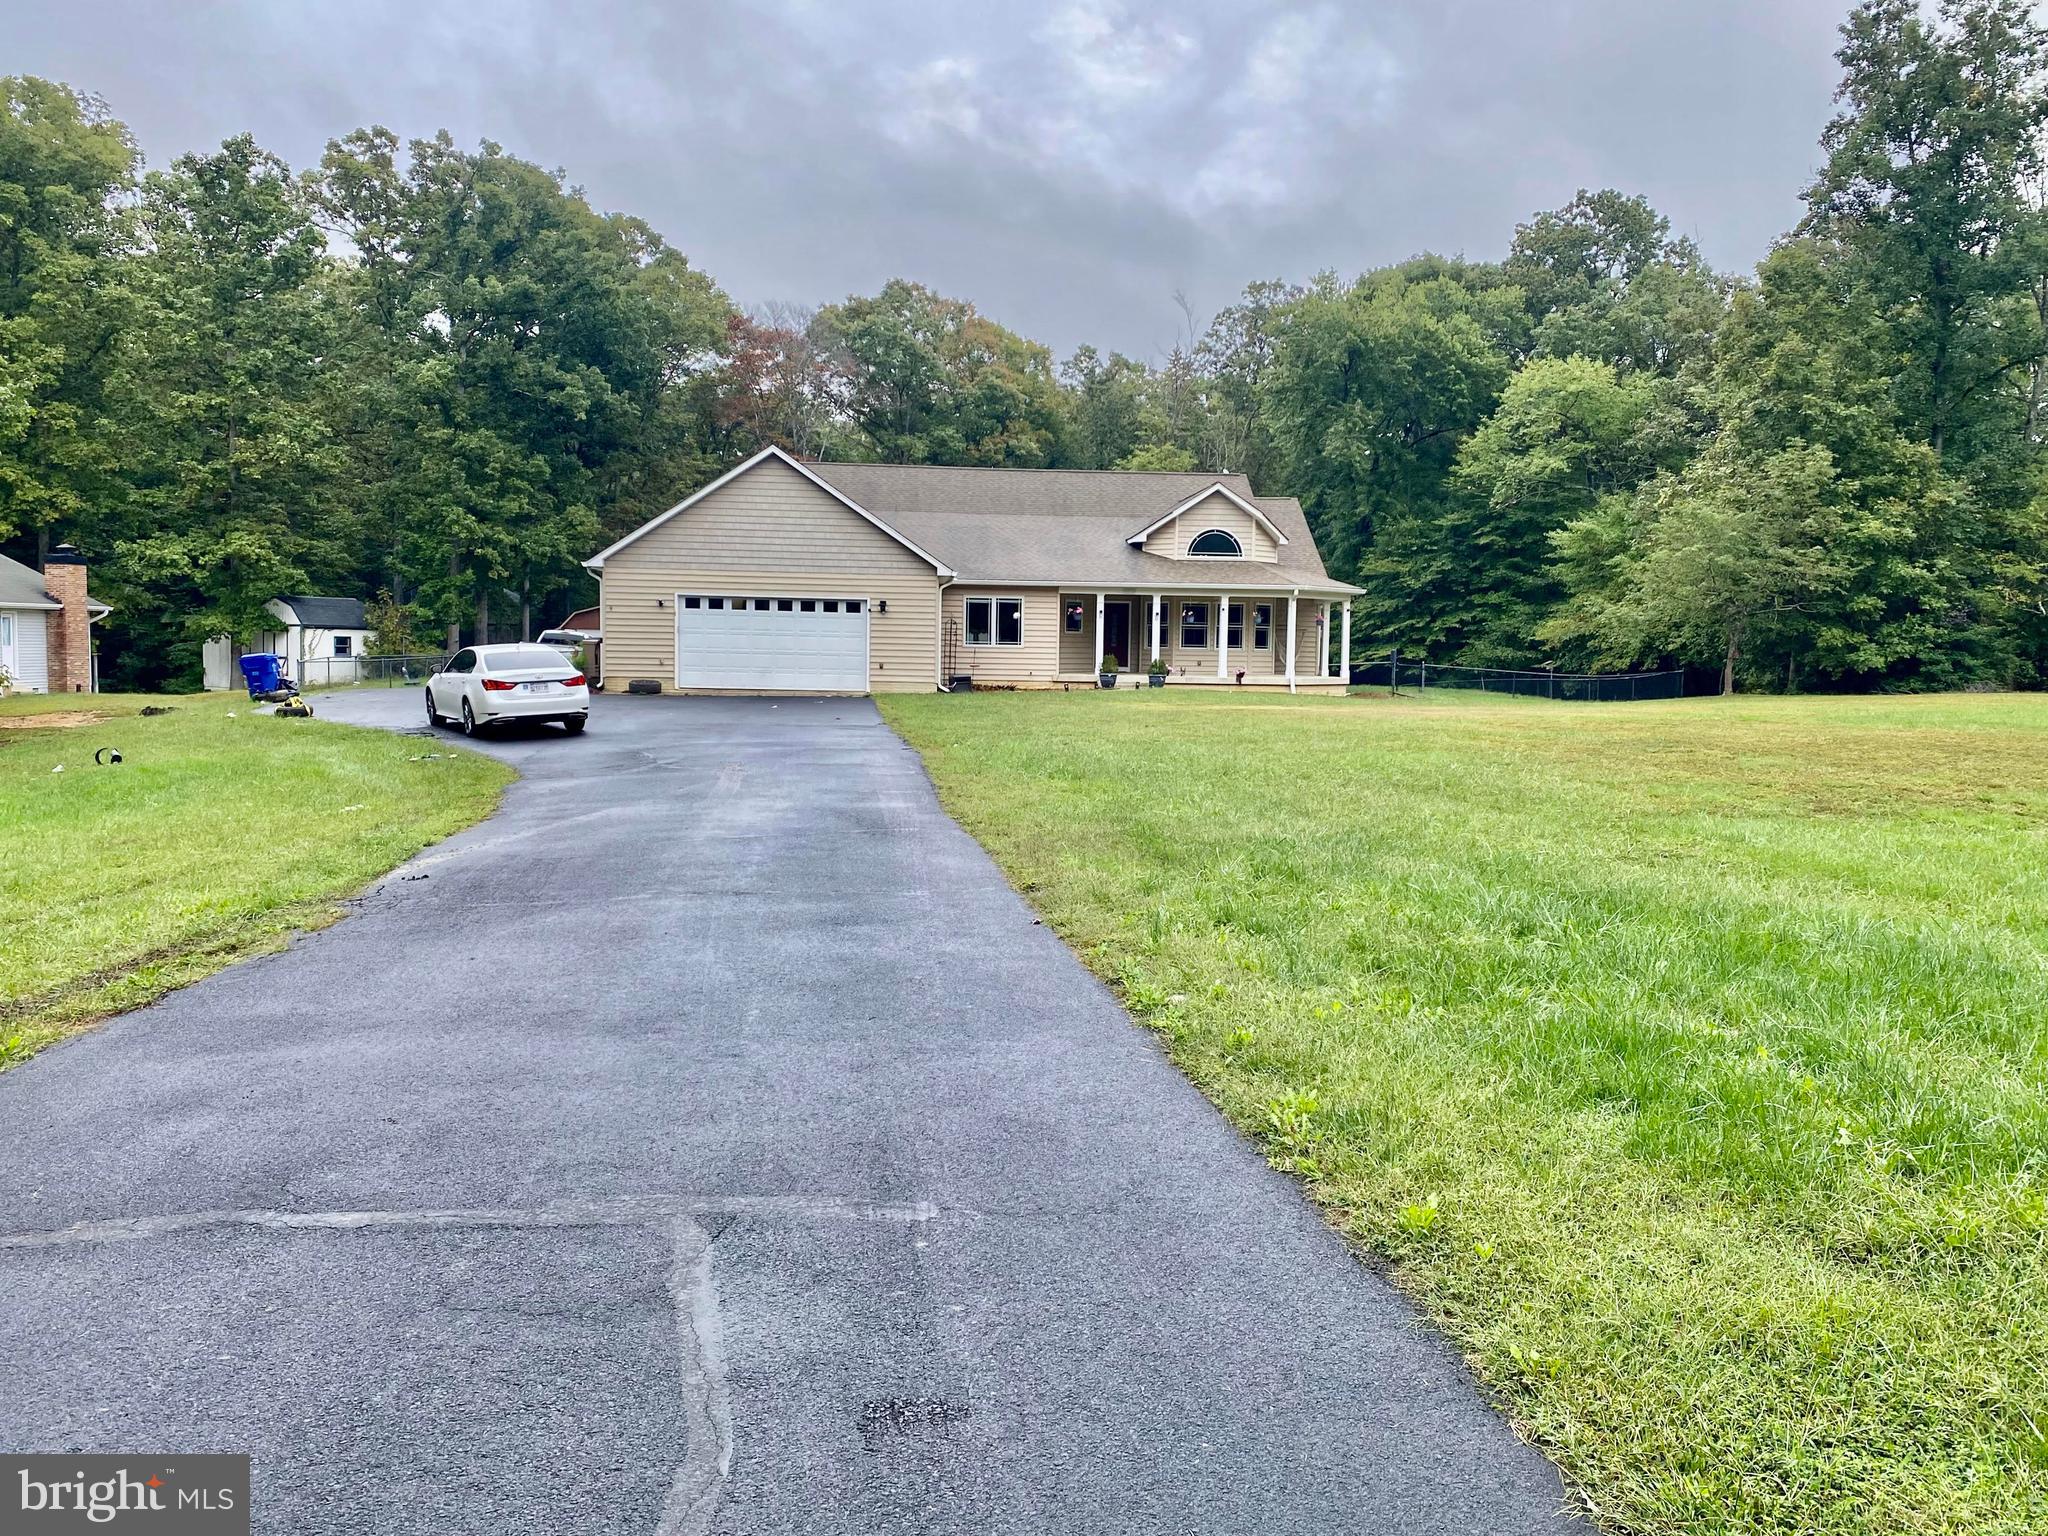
[{"x": 856, "y": 578}]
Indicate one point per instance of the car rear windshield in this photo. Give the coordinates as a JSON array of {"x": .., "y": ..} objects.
[{"x": 528, "y": 658}]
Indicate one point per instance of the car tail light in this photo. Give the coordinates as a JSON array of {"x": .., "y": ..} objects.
[
  {"x": 498, "y": 685},
  {"x": 573, "y": 682}
]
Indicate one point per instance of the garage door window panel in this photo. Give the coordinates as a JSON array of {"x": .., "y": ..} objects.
[{"x": 772, "y": 644}]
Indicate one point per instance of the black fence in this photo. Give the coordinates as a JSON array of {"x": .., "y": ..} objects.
[{"x": 1404, "y": 676}]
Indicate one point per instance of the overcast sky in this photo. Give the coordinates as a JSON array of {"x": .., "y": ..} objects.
[{"x": 1067, "y": 166}]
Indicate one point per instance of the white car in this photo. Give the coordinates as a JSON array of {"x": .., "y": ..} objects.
[{"x": 492, "y": 684}]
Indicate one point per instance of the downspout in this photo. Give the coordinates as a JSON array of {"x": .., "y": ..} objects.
[{"x": 939, "y": 638}]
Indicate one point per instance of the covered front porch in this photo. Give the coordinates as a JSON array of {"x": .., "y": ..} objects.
[{"x": 1286, "y": 639}]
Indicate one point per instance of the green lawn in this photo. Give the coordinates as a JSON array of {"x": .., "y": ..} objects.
[
  {"x": 220, "y": 833},
  {"x": 1688, "y": 1060}
]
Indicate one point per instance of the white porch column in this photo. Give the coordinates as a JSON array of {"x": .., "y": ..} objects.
[
  {"x": 1223, "y": 638},
  {"x": 1099, "y": 597},
  {"x": 1323, "y": 666},
  {"x": 1158, "y": 602},
  {"x": 1344, "y": 654},
  {"x": 1293, "y": 607}
]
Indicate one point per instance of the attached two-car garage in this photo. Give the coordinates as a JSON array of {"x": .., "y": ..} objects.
[
  {"x": 772, "y": 644},
  {"x": 768, "y": 580}
]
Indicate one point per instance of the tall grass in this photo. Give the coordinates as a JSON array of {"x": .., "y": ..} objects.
[{"x": 1688, "y": 1060}]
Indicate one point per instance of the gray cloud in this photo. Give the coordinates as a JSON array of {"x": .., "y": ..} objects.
[{"x": 1066, "y": 165}]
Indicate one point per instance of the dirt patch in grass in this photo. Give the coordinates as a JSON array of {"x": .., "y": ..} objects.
[{"x": 63, "y": 720}]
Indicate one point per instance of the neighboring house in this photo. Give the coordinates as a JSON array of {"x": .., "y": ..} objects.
[
  {"x": 856, "y": 578},
  {"x": 583, "y": 619},
  {"x": 46, "y": 625},
  {"x": 322, "y": 641}
]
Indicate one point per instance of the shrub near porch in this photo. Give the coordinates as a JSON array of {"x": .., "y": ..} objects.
[
  {"x": 1688, "y": 1061},
  {"x": 220, "y": 833}
]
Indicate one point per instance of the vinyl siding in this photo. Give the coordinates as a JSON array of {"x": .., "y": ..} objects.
[
  {"x": 770, "y": 533},
  {"x": 1171, "y": 539},
  {"x": 31, "y": 667},
  {"x": 1035, "y": 661},
  {"x": 1077, "y": 652}
]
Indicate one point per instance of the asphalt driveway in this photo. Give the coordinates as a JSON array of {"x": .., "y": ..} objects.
[{"x": 710, "y": 1141}]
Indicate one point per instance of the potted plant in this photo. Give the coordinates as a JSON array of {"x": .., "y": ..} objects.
[
  {"x": 1157, "y": 672},
  {"x": 1107, "y": 677}
]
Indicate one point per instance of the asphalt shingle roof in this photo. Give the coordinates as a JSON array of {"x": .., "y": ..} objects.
[
  {"x": 21, "y": 587},
  {"x": 1068, "y": 525},
  {"x": 328, "y": 612}
]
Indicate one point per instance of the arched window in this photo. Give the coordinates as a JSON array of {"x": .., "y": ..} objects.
[{"x": 1215, "y": 542}]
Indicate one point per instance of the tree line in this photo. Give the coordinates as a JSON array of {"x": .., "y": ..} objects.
[{"x": 438, "y": 375}]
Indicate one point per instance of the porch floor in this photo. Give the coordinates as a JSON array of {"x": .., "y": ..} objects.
[{"x": 1137, "y": 679}]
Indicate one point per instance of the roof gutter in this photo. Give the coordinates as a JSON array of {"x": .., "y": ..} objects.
[{"x": 1119, "y": 584}]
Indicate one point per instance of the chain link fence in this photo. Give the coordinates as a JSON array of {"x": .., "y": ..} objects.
[
  {"x": 367, "y": 671},
  {"x": 1401, "y": 676}
]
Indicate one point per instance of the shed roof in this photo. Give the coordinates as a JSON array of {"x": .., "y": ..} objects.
[{"x": 328, "y": 612}]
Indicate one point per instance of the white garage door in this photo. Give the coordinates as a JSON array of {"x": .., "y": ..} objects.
[{"x": 772, "y": 644}]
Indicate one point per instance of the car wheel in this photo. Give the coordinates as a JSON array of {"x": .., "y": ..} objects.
[
  {"x": 575, "y": 723},
  {"x": 433, "y": 714},
  {"x": 468, "y": 720}
]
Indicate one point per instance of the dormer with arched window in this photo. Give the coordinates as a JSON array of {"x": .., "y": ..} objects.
[
  {"x": 1216, "y": 524},
  {"x": 1215, "y": 541}
]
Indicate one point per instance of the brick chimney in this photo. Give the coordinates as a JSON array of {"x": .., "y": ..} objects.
[{"x": 71, "y": 627}]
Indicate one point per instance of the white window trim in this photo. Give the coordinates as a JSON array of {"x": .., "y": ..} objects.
[
  {"x": 1243, "y": 616},
  {"x": 1267, "y": 643},
  {"x": 1236, "y": 549},
  {"x": 994, "y": 640},
  {"x": 1180, "y": 626}
]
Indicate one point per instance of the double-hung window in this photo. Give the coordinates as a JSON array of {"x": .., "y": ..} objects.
[
  {"x": 1234, "y": 631},
  {"x": 1194, "y": 626},
  {"x": 995, "y": 621},
  {"x": 1262, "y": 626}
]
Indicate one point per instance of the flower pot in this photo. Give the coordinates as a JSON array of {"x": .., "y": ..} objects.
[
  {"x": 1106, "y": 679},
  {"x": 1158, "y": 679}
]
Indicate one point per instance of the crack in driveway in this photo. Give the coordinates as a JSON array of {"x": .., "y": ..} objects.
[{"x": 699, "y": 1483}]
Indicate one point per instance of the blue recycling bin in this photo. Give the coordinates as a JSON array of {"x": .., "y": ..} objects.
[{"x": 263, "y": 672}]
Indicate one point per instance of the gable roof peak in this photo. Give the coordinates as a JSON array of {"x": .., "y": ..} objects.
[
  {"x": 1216, "y": 489},
  {"x": 772, "y": 451}
]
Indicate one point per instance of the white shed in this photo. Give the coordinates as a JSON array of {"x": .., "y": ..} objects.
[{"x": 322, "y": 641}]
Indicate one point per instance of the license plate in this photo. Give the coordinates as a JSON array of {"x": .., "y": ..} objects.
[{"x": 536, "y": 687}]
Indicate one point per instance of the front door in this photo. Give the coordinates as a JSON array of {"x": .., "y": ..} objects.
[{"x": 1116, "y": 633}]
